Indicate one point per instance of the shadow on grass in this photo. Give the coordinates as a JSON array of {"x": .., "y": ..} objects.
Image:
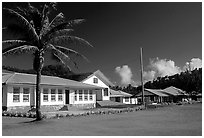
[{"x": 34, "y": 121}]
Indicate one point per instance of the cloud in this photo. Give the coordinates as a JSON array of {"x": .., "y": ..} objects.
[
  {"x": 160, "y": 68},
  {"x": 193, "y": 64},
  {"x": 125, "y": 74},
  {"x": 149, "y": 75}
]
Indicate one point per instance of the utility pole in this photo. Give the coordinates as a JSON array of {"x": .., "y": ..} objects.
[{"x": 141, "y": 63}]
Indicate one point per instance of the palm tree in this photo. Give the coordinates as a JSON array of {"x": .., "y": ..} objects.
[{"x": 38, "y": 35}]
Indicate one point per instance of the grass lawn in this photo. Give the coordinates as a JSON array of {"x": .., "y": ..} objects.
[{"x": 184, "y": 120}]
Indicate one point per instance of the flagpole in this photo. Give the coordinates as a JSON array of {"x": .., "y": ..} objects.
[{"x": 141, "y": 63}]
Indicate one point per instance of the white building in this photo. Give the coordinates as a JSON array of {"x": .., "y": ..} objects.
[
  {"x": 98, "y": 79},
  {"x": 18, "y": 90},
  {"x": 122, "y": 97}
]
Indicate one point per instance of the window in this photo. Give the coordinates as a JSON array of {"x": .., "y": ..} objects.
[
  {"x": 75, "y": 95},
  {"x": 95, "y": 80},
  {"x": 127, "y": 99},
  {"x": 152, "y": 98},
  {"x": 60, "y": 97},
  {"x": 85, "y": 95},
  {"x": 80, "y": 95},
  {"x": 90, "y": 95},
  {"x": 53, "y": 95},
  {"x": 45, "y": 95},
  {"x": 26, "y": 94},
  {"x": 16, "y": 94},
  {"x": 105, "y": 92}
]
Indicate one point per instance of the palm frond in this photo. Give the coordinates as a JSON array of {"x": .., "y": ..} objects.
[
  {"x": 34, "y": 15},
  {"x": 45, "y": 20},
  {"x": 24, "y": 22},
  {"x": 23, "y": 12},
  {"x": 69, "y": 51},
  {"x": 65, "y": 40},
  {"x": 19, "y": 50},
  {"x": 60, "y": 55},
  {"x": 12, "y": 43},
  {"x": 58, "y": 33},
  {"x": 57, "y": 20},
  {"x": 64, "y": 25}
]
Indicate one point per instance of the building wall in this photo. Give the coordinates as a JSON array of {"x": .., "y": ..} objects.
[
  {"x": 4, "y": 95},
  {"x": 126, "y": 100},
  {"x": 8, "y": 92},
  {"x": 117, "y": 99},
  {"x": 100, "y": 94},
  {"x": 133, "y": 101},
  {"x": 50, "y": 102},
  {"x": 75, "y": 99},
  {"x": 10, "y": 101}
]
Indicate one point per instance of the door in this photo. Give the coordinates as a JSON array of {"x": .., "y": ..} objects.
[{"x": 66, "y": 96}]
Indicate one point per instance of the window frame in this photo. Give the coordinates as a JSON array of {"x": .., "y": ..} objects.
[
  {"x": 60, "y": 94},
  {"x": 16, "y": 94},
  {"x": 95, "y": 80},
  {"x": 90, "y": 95},
  {"x": 127, "y": 99},
  {"x": 104, "y": 92},
  {"x": 86, "y": 98},
  {"x": 80, "y": 95},
  {"x": 26, "y": 94},
  {"x": 53, "y": 95},
  {"x": 76, "y": 95},
  {"x": 45, "y": 95}
]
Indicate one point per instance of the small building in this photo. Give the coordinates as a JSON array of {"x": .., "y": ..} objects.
[
  {"x": 120, "y": 96},
  {"x": 175, "y": 94},
  {"x": 199, "y": 97},
  {"x": 152, "y": 96},
  {"x": 18, "y": 90}
]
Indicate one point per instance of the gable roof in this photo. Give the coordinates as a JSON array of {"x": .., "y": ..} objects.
[
  {"x": 149, "y": 92},
  {"x": 101, "y": 76},
  {"x": 22, "y": 78},
  {"x": 114, "y": 93},
  {"x": 174, "y": 91}
]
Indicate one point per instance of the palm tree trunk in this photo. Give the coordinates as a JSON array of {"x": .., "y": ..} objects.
[
  {"x": 39, "y": 62},
  {"x": 38, "y": 97}
]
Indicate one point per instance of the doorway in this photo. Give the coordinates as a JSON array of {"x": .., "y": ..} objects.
[{"x": 66, "y": 96}]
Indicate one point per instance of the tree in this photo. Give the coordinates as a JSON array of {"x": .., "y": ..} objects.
[{"x": 38, "y": 35}]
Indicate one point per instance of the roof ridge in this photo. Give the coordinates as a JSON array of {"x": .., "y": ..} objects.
[{"x": 36, "y": 74}]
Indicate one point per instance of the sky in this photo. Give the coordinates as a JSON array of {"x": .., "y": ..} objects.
[{"x": 170, "y": 34}]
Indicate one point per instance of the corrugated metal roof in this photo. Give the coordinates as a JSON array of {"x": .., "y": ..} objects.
[
  {"x": 21, "y": 78},
  {"x": 150, "y": 92},
  {"x": 157, "y": 92},
  {"x": 114, "y": 93},
  {"x": 174, "y": 91}
]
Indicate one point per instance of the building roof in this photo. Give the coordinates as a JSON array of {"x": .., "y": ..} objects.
[
  {"x": 150, "y": 92},
  {"x": 174, "y": 91},
  {"x": 100, "y": 75},
  {"x": 5, "y": 72},
  {"x": 114, "y": 93},
  {"x": 22, "y": 78}
]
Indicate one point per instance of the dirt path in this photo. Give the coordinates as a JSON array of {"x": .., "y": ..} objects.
[{"x": 167, "y": 121}]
